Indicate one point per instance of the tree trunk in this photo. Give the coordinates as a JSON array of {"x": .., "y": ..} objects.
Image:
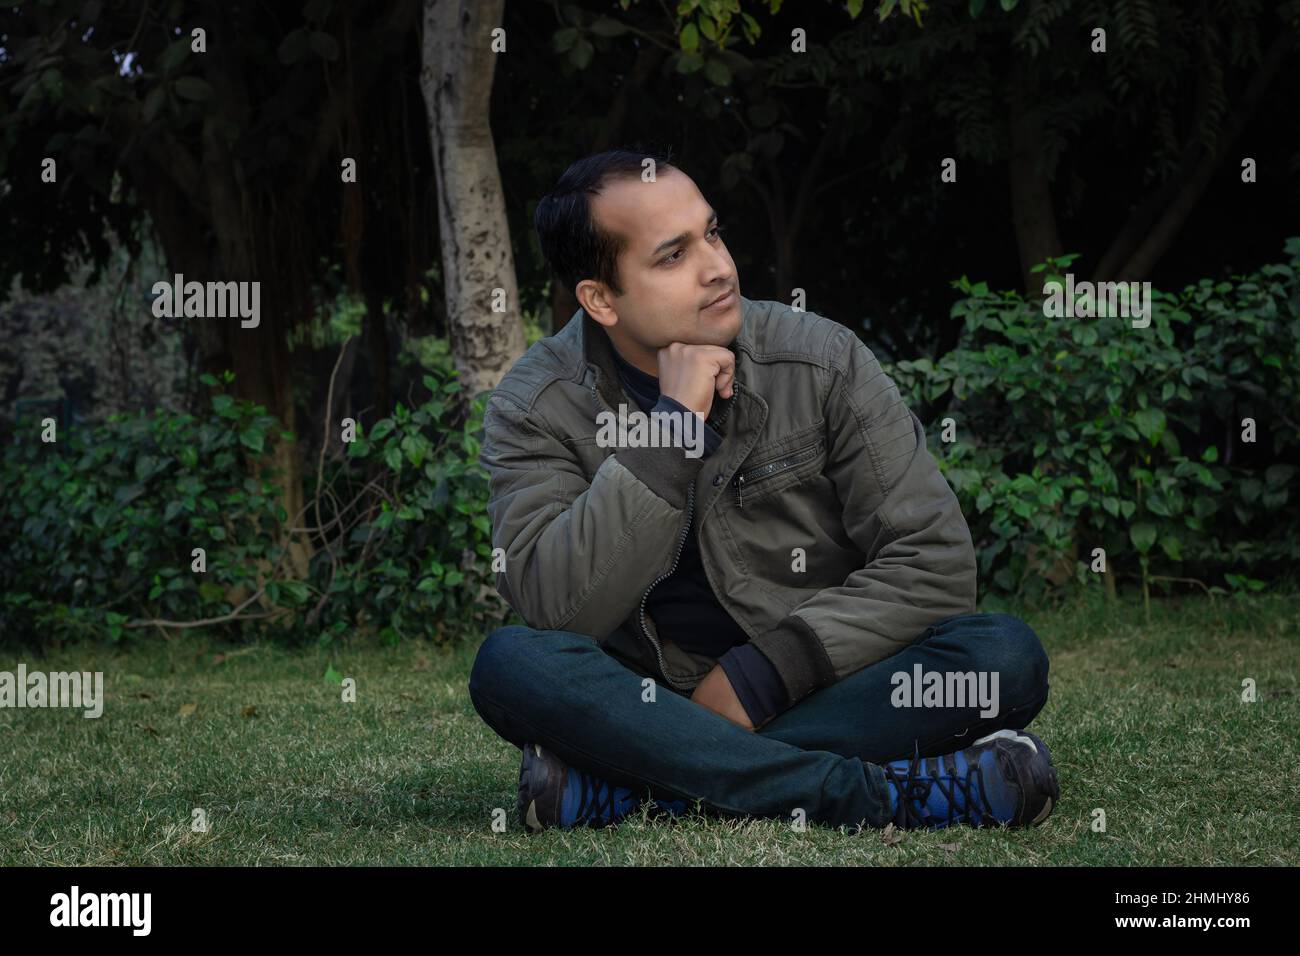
[
  {"x": 456, "y": 80},
  {"x": 1032, "y": 213},
  {"x": 377, "y": 340},
  {"x": 1165, "y": 230}
]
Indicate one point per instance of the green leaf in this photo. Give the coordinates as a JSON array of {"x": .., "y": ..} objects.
[
  {"x": 717, "y": 72},
  {"x": 581, "y": 54},
  {"x": 333, "y": 676},
  {"x": 414, "y": 447},
  {"x": 1276, "y": 476},
  {"x": 145, "y": 466},
  {"x": 152, "y": 104},
  {"x": 1142, "y": 536},
  {"x": 316, "y": 10},
  {"x": 173, "y": 55},
  {"x": 690, "y": 38},
  {"x": 562, "y": 40},
  {"x": 690, "y": 63},
  {"x": 293, "y": 47},
  {"x": 1151, "y": 423},
  {"x": 608, "y": 27},
  {"x": 251, "y": 438},
  {"x": 324, "y": 45},
  {"x": 976, "y": 8},
  {"x": 194, "y": 88}
]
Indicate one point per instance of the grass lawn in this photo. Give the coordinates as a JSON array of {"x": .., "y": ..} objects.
[{"x": 1145, "y": 722}]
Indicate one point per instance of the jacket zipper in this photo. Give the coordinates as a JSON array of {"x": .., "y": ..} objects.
[
  {"x": 659, "y": 652},
  {"x": 690, "y": 517},
  {"x": 771, "y": 468},
  {"x": 681, "y": 543}
]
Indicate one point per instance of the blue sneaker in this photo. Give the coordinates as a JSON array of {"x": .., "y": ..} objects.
[
  {"x": 553, "y": 794},
  {"x": 1004, "y": 778}
]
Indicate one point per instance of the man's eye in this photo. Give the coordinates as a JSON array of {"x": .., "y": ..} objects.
[{"x": 673, "y": 257}]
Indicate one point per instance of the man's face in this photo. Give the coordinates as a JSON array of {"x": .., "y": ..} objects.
[{"x": 674, "y": 265}]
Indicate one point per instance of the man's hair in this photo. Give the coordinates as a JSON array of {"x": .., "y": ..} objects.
[{"x": 574, "y": 245}]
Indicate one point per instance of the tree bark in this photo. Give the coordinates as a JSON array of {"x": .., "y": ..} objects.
[
  {"x": 1165, "y": 230},
  {"x": 456, "y": 80},
  {"x": 1032, "y": 213}
]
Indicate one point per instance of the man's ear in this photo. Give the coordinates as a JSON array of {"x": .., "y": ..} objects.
[{"x": 594, "y": 297}]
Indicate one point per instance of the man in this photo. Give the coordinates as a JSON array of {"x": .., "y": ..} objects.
[{"x": 732, "y": 624}]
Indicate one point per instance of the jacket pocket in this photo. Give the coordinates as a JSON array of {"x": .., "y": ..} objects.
[{"x": 769, "y": 476}]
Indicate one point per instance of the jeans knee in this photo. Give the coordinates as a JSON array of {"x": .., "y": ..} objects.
[
  {"x": 492, "y": 663},
  {"x": 1020, "y": 659}
]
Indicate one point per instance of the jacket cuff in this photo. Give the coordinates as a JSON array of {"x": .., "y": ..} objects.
[
  {"x": 668, "y": 470},
  {"x": 798, "y": 656},
  {"x": 757, "y": 685},
  {"x": 712, "y": 438}
]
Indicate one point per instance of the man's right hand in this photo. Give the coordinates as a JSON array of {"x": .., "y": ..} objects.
[{"x": 692, "y": 373}]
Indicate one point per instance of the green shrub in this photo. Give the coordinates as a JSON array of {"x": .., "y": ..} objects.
[
  {"x": 99, "y": 526},
  {"x": 1077, "y": 433},
  {"x": 428, "y": 540}
]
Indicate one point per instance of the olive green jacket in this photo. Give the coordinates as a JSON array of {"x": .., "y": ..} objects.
[{"x": 825, "y": 527}]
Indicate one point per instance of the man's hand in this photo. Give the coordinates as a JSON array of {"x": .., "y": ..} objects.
[
  {"x": 715, "y": 693},
  {"x": 692, "y": 373}
]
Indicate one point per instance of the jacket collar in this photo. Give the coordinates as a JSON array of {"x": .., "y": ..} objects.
[{"x": 598, "y": 351}]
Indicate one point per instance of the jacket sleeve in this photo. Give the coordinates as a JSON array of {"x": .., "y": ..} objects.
[
  {"x": 901, "y": 513},
  {"x": 578, "y": 554}
]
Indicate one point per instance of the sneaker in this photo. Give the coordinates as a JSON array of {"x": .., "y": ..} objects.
[
  {"x": 1004, "y": 778},
  {"x": 553, "y": 794}
]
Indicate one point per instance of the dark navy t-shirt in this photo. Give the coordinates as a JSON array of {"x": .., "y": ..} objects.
[{"x": 683, "y": 605}]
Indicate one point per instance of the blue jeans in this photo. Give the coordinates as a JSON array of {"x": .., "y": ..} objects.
[{"x": 565, "y": 692}]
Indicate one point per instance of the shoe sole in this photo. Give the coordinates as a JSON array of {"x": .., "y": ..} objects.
[{"x": 526, "y": 805}]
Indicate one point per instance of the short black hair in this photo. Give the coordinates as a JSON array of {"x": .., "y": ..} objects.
[{"x": 574, "y": 245}]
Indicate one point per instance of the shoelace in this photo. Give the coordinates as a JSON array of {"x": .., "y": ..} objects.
[
  {"x": 591, "y": 802},
  {"x": 914, "y": 786}
]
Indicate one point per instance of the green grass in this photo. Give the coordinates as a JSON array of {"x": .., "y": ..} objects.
[{"x": 1145, "y": 722}]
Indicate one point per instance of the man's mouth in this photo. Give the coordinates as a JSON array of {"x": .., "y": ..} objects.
[{"x": 724, "y": 299}]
